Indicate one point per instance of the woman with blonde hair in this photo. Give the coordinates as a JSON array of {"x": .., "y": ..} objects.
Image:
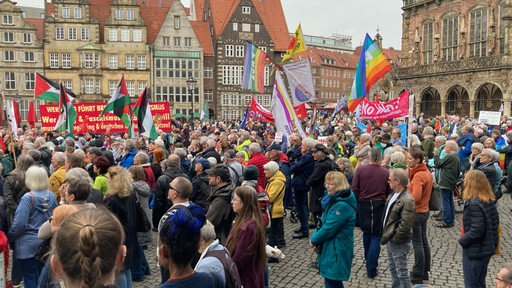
[
  {"x": 480, "y": 228},
  {"x": 123, "y": 204},
  {"x": 88, "y": 249},
  {"x": 246, "y": 240},
  {"x": 333, "y": 238}
]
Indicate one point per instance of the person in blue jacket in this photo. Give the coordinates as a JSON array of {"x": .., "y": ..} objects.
[{"x": 333, "y": 239}]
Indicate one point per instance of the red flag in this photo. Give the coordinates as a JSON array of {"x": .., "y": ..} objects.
[
  {"x": 2, "y": 145},
  {"x": 32, "y": 117},
  {"x": 256, "y": 111},
  {"x": 301, "y": 111},
  {"x": 377, "y": 100},
  {"x": 369, "y": 128},
  {"x": 17, "y": 115}
]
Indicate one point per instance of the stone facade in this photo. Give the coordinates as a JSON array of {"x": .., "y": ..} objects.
[{"x": 455, "y": 57}]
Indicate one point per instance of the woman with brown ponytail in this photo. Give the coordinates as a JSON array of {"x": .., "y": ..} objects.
[
  {"x": 246, "y": 241},
  {"x": 88, "y": 249}
]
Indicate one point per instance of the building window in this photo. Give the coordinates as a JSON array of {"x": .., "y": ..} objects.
[
  {"x": 29, "y": 56},
  {"x": 246, "y": 10},
  {"x": 65, "y": 12},
  {"x": 427, "y": 42},
  {"x": 141, "y": 85},
  {"x": 137, "y": 35},
  {"x": 8, "y": 37},
  {"x": 27, "y": 37},
  {"x": 450, "y": 40},
  {"x": 130, "y": 15},
  {"x": 59, "y": 33},
  {"x": 478, "y": 33},
  {"x": 30, "y": 81},
  {"x": 188, "y": 41},
  {"x": 141, "y": 62},
  {"x": 88, "y": 60},
  {"x": 88, "y": 86},
  {"x": 67, "y": 84},
  {"x": 240, "y": 49},
  {"x": 72, "y": 33},
  {"x": 502, "y": 30},
  {"x": 125, "y": 35},
  {"x": 66, "y": 61},
  {"x": 208, "y": 95},
  {"x": 10, "y": 81},
  {"x": 112, "y": 35},
  {"x": 208, "y": 72},
  {"x": 256, "y": 28},
  {"x": 177, "y": 22},
  {"x": 8, "y": 55},
  {"x": 177, "y": 41},
  {"x": 229, "y": 50},
  {"x": 166, "y": 40},
  {"x": 54, "y": 60},
  {"x": 119, "y": 14},
  {"x": 231, "y": 74},
  {"x": 113, "y": 60},
  {"x": 112, "y": 87},
  {"x": 130, "y": 62},
  {"x": 266, "y": 77},
  {"x": 7, "y": 20},
  {"x": 84, "y": 33},
  {"x": 130, "y": 85},
  {"x": 246, "y": 27},
  {"x": 78, "y": 12}
]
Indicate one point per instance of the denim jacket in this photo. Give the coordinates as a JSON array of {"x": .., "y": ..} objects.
[{"x": 34, "y": 209}]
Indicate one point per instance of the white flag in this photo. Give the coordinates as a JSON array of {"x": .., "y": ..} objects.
[
  {"x": 12, "y": 118},
  {"x": 301, "y": 81}
]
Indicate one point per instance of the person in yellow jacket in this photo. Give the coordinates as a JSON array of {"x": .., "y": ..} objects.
[
  {"x": 244, "y": 146},
  {"x": 276, "y": 185}
]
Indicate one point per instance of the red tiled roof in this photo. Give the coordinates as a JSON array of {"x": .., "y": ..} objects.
[
  {"x": 272, "y": 14},
  {"x": 49, "y": 9},
  {"x": 391, "y": 54},
  {"x": 342, "y": 60},
  {"x": 154, "y": 18},
  {"x": 155, "y": 3},
  {"x": 203, "y": 36},
  {"x": 39, "y": 25},
  {"x": 199, "y": 6},
  {"x": 221, "y": 11}
]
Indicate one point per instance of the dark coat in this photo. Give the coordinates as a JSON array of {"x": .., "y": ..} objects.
[
  {"x": 220, "y": 212},
  {"x": 317, "y": 182},
  {"x": 201, "y": 190},
  {"x": 490, "y": 172},
  {"x": 507, "y": 150},
  {"x": 449, "y": 170},
  {"x": 481, "y": 222},
  {"x": 301, "y": 170},
  {"x": 211, "y": 152},
  {"x": 161, "y": 203}
]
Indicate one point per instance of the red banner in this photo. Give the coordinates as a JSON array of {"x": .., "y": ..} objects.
[
  {"x": 395, "y": 108},
  {"x": 87, "y": 118},
  {"x": 256, "y": 111}
]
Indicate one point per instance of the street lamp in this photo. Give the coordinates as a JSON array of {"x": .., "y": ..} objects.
[{"x": 191, "y": 84}]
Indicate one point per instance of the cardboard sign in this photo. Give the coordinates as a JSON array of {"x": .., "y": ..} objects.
[
  {"x": 87, "y": 118},
  {"x": 489, "y": 117}
]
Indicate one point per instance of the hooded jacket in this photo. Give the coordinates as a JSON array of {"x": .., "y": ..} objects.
[
  {"x": 276, "y": 189},
  {"x": 420, "y": 186},
  {"x": 220, "y": 212}
]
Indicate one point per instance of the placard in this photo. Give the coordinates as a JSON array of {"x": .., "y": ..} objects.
[{"x": 489, "y": 117}]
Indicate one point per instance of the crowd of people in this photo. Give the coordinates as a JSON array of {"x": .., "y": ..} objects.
[{"x": 216, "y": 195}]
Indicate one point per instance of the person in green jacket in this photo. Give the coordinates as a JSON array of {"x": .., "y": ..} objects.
[{"x": 333, "y": 239}]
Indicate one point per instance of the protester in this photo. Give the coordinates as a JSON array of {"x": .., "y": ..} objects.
[
  {"x": 220, "y": 212},
  {"x": 276, "y": 188},
  {"x": 449, "y": 170},
  {"x": 504, "y": 277}
]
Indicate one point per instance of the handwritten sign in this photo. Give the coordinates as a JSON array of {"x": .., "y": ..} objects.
[{"x": 87, "y": 118}]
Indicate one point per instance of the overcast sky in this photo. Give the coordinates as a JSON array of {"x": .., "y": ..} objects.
[{"x": 325, "y": 17}]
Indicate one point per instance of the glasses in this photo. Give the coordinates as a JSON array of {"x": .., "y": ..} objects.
[
  {"x": 172, "y": 188},
  {"x": 501, "y": 280},
  {"x": 484, "y": 155}
]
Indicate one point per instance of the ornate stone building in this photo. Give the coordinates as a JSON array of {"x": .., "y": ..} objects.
[
  {"x": 455, "y": 56},
  {"x": 21, "y": 55}
]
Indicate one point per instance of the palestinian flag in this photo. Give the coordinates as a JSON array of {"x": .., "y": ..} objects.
[
  {"x": 46, "y": 89},
  {"x": 67, "y": 115},
  {"x": 144, "y": 117},
  {"x": 120, "y": 105}
]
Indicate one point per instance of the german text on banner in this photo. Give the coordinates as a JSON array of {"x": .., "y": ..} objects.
[
  {"x": 286, "y": 120},
  {"x": 301, "y": 81},
  {"x": 395, "y": 108},
  {"x": 259, "y": 112}
]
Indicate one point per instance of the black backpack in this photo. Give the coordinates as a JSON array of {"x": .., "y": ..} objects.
[{"x": 230, "y": 269}]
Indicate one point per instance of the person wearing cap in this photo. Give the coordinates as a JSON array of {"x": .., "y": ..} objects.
[
  {"x": 220, "y": 212},
  {"x": 323, "y": 165},
  {"x": 200, "y": 187},
  {"x": 236, "y": 169},
  {"x": 93, "y": 153}
]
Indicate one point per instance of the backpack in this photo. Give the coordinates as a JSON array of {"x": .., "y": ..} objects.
[
  {"x": 238, "y": 179},
  {"x": 7, "y": 164},
  {"x": 264, "y": 203},
  {"x": 230, "y": 269}
]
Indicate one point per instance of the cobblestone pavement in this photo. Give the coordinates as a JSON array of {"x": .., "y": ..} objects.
[{"x": 296, "y": 271}]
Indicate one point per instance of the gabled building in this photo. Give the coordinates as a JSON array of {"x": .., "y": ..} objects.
[
  {"x": 231, "y": 23},
  {"x": 21, "y": 54}
]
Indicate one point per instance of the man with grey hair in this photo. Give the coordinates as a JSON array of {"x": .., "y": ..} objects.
[
  {"x": 257, "y": 159},
  {"x": 46, "y": 154},
  {"x": 449, "y": 174},
  {"x": 486, "y": 164},
  {"x": 130, "y": 147},
  {"x": 59, "y": 175},
  {"x": 210, "y": 151},
  {"x": 184, "y": 162}
]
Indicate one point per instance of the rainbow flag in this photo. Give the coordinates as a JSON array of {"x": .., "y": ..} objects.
[
  {"x": 372, "y": 66},
  {"x": 254, "y": 68}
]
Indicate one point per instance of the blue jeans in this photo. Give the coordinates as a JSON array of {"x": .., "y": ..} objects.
[
  {"x": 371, "y": 243},
  {"x": 475, "y": 270},
  {"x": 448, "y": 206},
  {"x": 329, "y": 283},
  {"x": 397, "y": 257},
  {"x": 301, "y": 206},
  {"x": 30, "y": 269},
  {"x": 420, "y": 246},
  {"x": 16, "y": 276},
  {"x": 124, "y": 278}
]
